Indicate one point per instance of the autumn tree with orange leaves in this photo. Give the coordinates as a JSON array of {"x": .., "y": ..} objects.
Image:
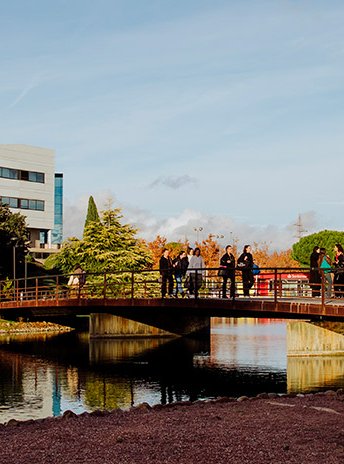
[
  {"x": 264, "y": 258},
  {"x": 157, "y": 246},
  {"x": 212, "y": 251}
]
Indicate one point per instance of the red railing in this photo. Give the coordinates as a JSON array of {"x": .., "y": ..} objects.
[{"x": 271, "y": 283}]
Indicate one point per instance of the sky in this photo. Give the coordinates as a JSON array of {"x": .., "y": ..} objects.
[{"x": 193, "y": 116}]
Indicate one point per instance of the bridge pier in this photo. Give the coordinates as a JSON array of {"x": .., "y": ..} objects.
[
  {"x": 149, "y": 325},
  {"x": 314, "y": 339}
]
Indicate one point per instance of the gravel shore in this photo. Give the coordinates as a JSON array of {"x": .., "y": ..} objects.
[{"x": 267, "y": 429}]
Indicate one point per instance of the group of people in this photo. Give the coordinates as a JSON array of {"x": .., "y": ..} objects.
[
  {"x": 322, "y": 267},
  {"x": 190, "y": 266},
  {"x": 245, "y": 264}
]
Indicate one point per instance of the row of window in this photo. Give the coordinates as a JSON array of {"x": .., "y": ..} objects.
[
  {"x": 23, "y": 203},
  {"x": 19, "y": 174}
]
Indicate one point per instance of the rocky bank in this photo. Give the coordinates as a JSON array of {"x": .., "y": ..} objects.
[{"x": 266, "y": 429}]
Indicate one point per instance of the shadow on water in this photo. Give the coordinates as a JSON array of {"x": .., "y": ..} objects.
[
  {"x": 120, "y": 373},
  {"x": 43, "y": 375}
]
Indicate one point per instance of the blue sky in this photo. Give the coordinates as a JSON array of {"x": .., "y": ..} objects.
[{"x": 225, "y": 115}]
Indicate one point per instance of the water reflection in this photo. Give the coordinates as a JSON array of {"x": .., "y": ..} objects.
[
  {"x": 315, "y": 356},
  {"x": 46, "y": 375},
  {"x": 306, "y": 374}
]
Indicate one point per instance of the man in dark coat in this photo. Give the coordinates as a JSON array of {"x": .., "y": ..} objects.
[
  {"x": 166, "y": 272},
  {"x": 227, "y": 267}
]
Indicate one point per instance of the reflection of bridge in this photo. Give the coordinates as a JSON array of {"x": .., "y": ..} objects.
[{"x": 129, "y": 303}]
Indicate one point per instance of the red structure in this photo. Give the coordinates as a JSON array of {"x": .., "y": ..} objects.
[{"x": 293, "y": 284}]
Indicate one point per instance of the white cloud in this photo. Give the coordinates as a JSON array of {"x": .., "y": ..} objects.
[
  {"x": 174, "y": 182},
  {"x": 192, "y": 224}
]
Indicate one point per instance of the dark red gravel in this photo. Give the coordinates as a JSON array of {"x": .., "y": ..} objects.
[{"x": 273, "y": 430}]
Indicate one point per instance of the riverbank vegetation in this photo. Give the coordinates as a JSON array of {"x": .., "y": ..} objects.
[
  {"x": 19, "y": 327},
  {"x": 108, "y": 246}
]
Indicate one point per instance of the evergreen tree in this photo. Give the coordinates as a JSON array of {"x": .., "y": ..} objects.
[
  {"x": 302, "y": 250},
  {"x": 92, "y": 213},
  {"x": 13, "y": 233},
  {"x": 107, "y": 246}
]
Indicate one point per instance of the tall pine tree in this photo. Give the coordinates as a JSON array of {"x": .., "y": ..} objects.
[
  {"x": 92, "y": 213},
  {"x": 107, "y": 246}
]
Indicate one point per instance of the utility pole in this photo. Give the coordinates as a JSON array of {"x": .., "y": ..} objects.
[{"x": 299, "y": 227}]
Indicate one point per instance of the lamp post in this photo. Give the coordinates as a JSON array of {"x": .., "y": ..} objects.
[
  {"x": 27, "y": 244},
  {"x": 198, "y": 230},
  {"x": 14, "y": 261},
  {"x": 25, "y": 273},
  {"x": 217, "y": 236},
  {"x": 14, "y": 241}
]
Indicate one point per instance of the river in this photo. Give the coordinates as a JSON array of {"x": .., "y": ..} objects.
[{"x": 45, "y": 375}]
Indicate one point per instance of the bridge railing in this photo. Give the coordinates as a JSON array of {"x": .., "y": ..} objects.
[{"x": 275, "y": 283}]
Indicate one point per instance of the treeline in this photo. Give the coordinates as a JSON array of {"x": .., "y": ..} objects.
[{"x": 109, "y": 245}]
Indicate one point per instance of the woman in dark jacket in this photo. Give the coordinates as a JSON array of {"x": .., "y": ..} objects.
[
  {"x": 314, "y": 274},
  {"x": 180, "y": 265},
  {"x": 227, "y": 267},
  {"x": 339, "y": 271},
  {"x": 245, "y": 264}
]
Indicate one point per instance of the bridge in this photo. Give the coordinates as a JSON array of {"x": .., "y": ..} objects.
[{"x": 129, "y": 303}]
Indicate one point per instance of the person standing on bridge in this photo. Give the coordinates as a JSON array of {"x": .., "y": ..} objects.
[
  {"x": 324, "y": 264},
  {"x": 77, "y": 280},
  {"x": 180, "y": 265},
  {"x": 196, "y": 272},
  {"x": 245, "y": 264},
  {"x": 189, "y": 253},
  {"x": 166, "y": 272},
  {"x": 227, "y": 271},
  {"x": 314, "y": 274},
  {"x": 338, "y": 263}
]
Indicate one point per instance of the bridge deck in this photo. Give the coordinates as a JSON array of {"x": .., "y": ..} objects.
[
  {"x": 268, "y": 307},
  {"x": 279, "y": 293}
]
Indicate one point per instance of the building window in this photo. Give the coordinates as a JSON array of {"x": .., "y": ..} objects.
[
  {"x": 23, "y": 203},
  {"x": 36, "y": 177},
  {"x": 40, "y": 205},
  {"x": 8, "y": 173},
  {"x": 24, "y": 175},
  {"x": 57, "y": 232},
  {"x": 13, "y": 202},
  {"x": 17, "y": 174}
]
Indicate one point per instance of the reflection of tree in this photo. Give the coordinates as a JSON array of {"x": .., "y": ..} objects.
[
  {"x": 127, "y": 372},
  {"x": 11, "y": 385},
  {"x": 107, "y": 393}
]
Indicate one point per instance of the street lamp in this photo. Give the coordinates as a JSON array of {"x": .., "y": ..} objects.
[
  {"x": 217, "y": 236},
  {"x": 14, "y": 241},
  {"x": 197, "y": 230}
]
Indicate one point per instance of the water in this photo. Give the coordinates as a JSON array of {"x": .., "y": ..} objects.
[{"x": 45, "y": 375}]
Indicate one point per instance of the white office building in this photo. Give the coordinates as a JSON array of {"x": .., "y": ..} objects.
[{"x": 29, "y": 185}]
